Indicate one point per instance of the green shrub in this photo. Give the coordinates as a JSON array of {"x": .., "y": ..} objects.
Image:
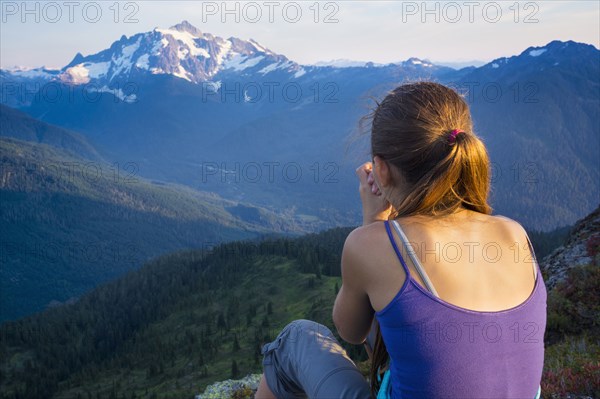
[{"x": 571, "y": 365}]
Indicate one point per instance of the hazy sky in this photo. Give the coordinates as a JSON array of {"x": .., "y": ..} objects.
[{"x": 51, "y": 33}]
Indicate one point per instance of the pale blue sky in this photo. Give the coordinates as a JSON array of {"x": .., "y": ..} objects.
[{"x": 379, "y": 31}]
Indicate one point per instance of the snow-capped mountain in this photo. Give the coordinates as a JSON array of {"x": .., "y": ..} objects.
[
  {"x": 414, "y": 62},
  {"x": 551, "y": 55},
  {"x": 182, "y": 51},
  {"x": 536, "y": 110},
  {"x": 18, "y": 85},
  {"x": 345, "y": 63},
  {"x": 32, "y": 73}
]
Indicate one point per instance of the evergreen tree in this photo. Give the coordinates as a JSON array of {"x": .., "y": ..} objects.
[
  {"x": 234, "y": 369},
  {"x": 236, "y": 344},
  {"x": 221, "y": 324}
]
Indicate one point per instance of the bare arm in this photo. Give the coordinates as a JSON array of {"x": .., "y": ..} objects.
[{"x": 352, "y": 311}]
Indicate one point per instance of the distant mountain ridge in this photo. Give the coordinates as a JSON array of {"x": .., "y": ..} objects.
[
  {"x": 206, "y": 103},
  {"x": 186, "y": 52},
  {"x": 182, "y": 51},
  {"x": 19, "y": 125},
  {"x": 70, "y": 223}
]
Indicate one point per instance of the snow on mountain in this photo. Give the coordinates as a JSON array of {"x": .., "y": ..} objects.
[
  {"x": 416, "y": 61},
  {"x": 128, "y": 98},
  {"x": 460, "y": 64},
  {"x": 18, "y": 85},
  {"x": 497, "y": 63},
  {"x": 185, "y": 52},
  {"x": 187, "y": 39},
  {"x": 546, "y": 56},
  {"x": 536, "y": 53},
  {"x": 33, "y": 73},
  {"x": 239, "y": 62},
  {"x": 182, "y": 51},
  {"x": 344, "y": 63}
]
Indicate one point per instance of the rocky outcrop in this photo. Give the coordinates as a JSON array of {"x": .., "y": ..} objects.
[
  {"x": 580, "y": 248},
  {"x": 237, "y": 389}
]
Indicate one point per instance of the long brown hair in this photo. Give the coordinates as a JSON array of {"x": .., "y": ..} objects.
[{"x": 411, "y": 130}]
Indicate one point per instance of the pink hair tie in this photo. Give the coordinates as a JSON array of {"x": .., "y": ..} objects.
[{"x": 453, "y": 135}]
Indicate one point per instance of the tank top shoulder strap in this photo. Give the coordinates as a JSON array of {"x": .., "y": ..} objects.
[
  {"x": 415, "y": 260},
  {"x": 533, "y": 258},
  {"x": 391, "y": 236},
  {"x": 410, "y": 250}
]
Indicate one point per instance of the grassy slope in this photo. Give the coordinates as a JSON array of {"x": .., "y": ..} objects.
[
  {"x": 571, "y": 365},
  {"x": 184, "y": 376},
  {"x": 167, "y": 356}
]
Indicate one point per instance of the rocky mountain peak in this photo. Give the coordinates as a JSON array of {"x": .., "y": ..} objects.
[{"x": 185, "y": 26}]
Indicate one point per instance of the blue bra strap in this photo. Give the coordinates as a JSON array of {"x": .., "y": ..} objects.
[
  {"x": 385, "y": 389},
  {"x": 389, "y": 232}
]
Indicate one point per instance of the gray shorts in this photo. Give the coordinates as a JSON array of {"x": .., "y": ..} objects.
[{"x": 305, "y": 360}]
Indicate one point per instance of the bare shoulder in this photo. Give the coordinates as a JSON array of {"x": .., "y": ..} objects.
[
  {"x": 366, "y": 262},
  {"x": 511, "y": 227},
  {"x": 363, "y": 241},
  {"x": 364, "y": 236}
]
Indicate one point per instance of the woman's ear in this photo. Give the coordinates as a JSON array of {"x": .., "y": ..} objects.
[{"x": 382, "y": 171}]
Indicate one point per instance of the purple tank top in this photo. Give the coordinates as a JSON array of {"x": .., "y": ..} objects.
[{"x": 439, "y": 350}]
